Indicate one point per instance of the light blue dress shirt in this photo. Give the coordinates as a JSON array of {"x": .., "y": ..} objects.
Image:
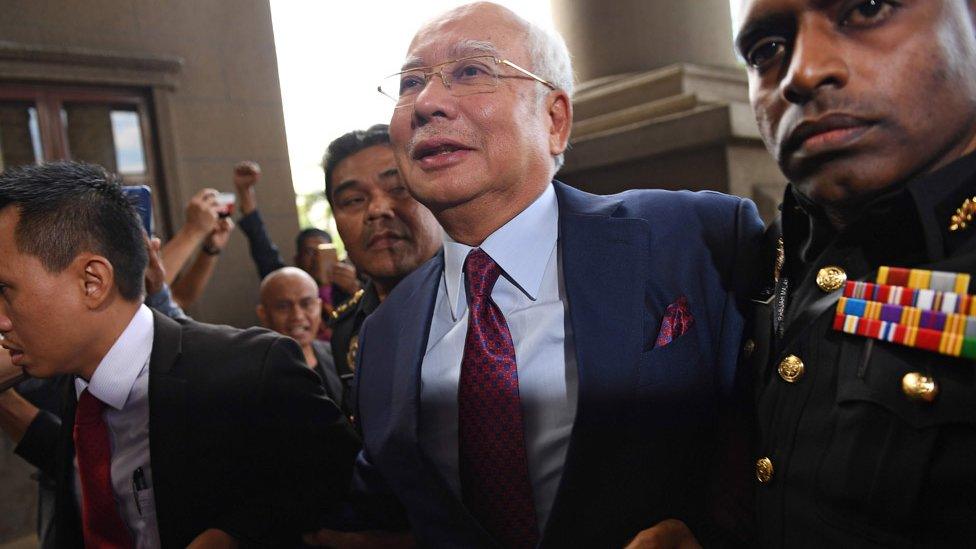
[
  {"x": 121, "y": 381},
  {"x": 532, "y": 296}
]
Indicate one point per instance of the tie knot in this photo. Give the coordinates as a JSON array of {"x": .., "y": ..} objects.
[
  {"x": 89, "y": 408},
  {"x": 482, "y": 272}
]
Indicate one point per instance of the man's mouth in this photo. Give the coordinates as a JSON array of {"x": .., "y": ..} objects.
[
  {"x": 383, "y": 240},
  {"x": 439, "y": 152},
  {"x": 297, "y": 331},
  {"x": 828, "y": 133},
  {"x": 16, "y": 354}
]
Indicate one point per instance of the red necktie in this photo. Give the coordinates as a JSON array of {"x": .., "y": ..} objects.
[
  {"x": 101, "y": 524},
  {"x": 491, "y": 437}
]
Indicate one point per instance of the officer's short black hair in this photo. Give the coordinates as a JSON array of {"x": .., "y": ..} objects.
[
  {"x": 308, "y": 233},
  {"x": 348, "y": 145},
  {"x": 67, "y": 208}
]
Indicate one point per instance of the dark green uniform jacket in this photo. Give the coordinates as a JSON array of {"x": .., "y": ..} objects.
[
  {"x": 850, "y": 455},
  {"x": 346, "y": 320}
]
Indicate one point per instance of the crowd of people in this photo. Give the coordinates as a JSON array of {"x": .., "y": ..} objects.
[{"x": 506, "y": 361}]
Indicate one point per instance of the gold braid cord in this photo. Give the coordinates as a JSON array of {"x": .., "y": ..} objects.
[{"x": 964, "y": 215}]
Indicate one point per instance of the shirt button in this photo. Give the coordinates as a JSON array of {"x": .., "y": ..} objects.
[
  {"x": 748, "y": 348},
  {"x": 791, "y": 369},
  {"x": 764, "y": 470},
  {"x": 831, "y": 278},
  {"x": 919, "y": 388}
]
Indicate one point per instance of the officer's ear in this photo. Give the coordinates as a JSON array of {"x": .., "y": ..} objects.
[{"x": 262, "y": 315}]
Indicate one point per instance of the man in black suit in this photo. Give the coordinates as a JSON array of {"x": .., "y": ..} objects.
[{"x": 172, "y": 434}]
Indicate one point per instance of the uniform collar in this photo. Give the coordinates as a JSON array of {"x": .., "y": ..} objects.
[
  {"x": 371, "y": 299},
  {"x": 910, "y": 223},
  {"x": 520, "y": 247},
  {"x": 117, "y": 372},
  {"x": 937, "y": 196}
]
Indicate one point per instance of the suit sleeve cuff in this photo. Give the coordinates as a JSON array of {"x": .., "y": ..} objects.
[{"x": 37, "y": 446}]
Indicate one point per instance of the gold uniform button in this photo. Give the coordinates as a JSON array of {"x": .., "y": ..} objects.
[
  {"x": 764, "y": 470},
  {"x": 748, "y": 348},
  {"x": 919, "y": 388},
  {"x": 831, "y": 278},
  {"x": 791, "y": 369}
]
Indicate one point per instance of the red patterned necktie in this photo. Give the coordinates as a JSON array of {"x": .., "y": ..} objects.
[
  {"x": 491, "y": 443},
  {"x": 101, "y": 524}
]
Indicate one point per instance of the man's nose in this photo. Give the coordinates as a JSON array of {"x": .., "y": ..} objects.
[
  {"x": 816, "y": 62},
  {"x": 435, "y": 100},
  {"x": 380, "y": 206},
  {"x": 6, "y": 325}
]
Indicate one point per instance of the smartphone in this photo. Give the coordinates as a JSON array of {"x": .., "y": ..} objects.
[
  {"x": 226, "y": 202},
  {"x": 329, "y": 253},
  {"x": 141, "y": 197}
]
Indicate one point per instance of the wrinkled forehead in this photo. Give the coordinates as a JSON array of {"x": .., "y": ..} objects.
[{"x": 465, "y": 36}]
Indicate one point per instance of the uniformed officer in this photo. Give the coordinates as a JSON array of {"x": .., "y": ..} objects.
[
  {"x": 866, "y": 332},
  {"x": 386, "y": 232},
  {"x": 345, "y": 321}
]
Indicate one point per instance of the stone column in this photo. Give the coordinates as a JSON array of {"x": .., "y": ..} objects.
[{"x": 624, "y": 36}]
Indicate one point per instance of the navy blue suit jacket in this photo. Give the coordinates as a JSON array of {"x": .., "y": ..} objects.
[{"x": 652, "y": 424}]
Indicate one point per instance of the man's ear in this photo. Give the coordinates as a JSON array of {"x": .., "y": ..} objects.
[
  {"x": 560, "y": 120},
  {"x": 262, "y": 315},
  {"x": 97, "y": 278}
]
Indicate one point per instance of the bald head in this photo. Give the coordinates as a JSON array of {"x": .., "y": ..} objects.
[
  {"x": 478, "y": 10},
  {"x": 290, "y": 304},
  {"x": 285, "y": 276}
]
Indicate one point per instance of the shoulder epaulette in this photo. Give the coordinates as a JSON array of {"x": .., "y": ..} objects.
[{"x": 347, "y": 304}]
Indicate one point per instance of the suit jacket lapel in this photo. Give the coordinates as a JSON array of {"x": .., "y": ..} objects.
[
  {"x": 605, "y": 263},
  {"x": 411, "y": 345},
  {"x": 167, "y": 427}
]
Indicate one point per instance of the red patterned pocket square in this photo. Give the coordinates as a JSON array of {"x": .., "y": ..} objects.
[{"x": 677, "y": 321}]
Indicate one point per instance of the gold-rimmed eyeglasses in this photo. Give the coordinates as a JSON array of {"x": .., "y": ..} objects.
[{"x": 465, "y": 76}]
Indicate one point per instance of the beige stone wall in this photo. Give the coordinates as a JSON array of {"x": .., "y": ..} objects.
[{"x": 222, "y": 105}]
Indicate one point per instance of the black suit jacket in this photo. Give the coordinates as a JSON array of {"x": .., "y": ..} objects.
[{"x": 241, "y": 434}]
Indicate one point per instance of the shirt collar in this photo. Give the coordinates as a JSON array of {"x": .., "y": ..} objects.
[
  {"x": 520, "y": 247},
  {"x": 117, "y": 372}
]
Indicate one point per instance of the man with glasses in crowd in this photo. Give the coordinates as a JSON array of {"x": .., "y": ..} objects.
[{"x": 560, "y": 373}]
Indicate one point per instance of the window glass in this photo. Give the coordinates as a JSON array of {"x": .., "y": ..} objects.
[
  {"x": 89, "y": 131},
  {"x": 127, "y": 136},
  {"x": 20, "y": 141},
  {"x": 106, "y": 134}
]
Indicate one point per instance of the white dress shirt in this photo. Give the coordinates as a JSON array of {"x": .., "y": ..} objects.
[
  {"x": 531, "y": 294},
  {"x": 121, "y": 381}
]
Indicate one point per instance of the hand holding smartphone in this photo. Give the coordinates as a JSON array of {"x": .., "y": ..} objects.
[
  {"x": 141, "y": 198},
  {"x": 225, "y": 203},
  {"x": 326, "y": 256}
]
